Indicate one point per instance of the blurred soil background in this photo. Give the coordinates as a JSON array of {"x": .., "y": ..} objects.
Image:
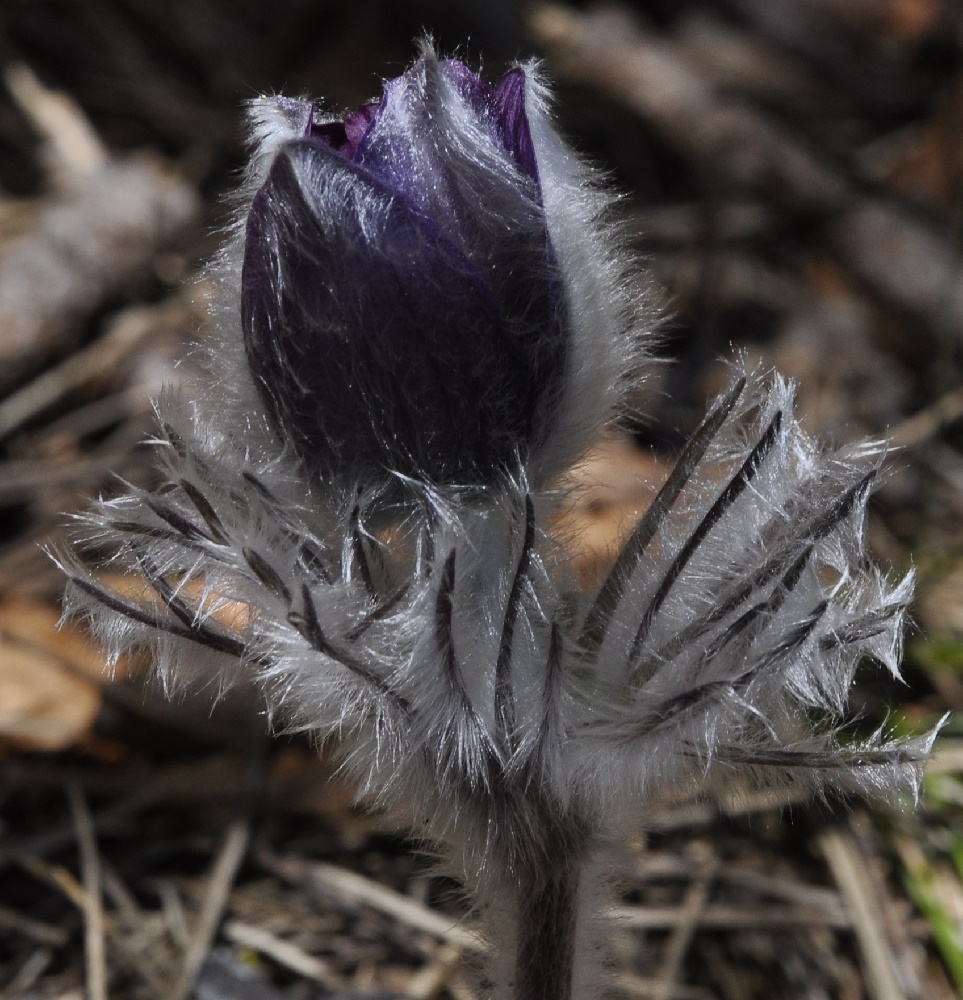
[{"x": 794, "y": 179}]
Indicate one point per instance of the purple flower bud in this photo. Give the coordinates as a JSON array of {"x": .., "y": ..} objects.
[
  {"x": 405, "y": 305},
  {"x": 401, "y": 305}
]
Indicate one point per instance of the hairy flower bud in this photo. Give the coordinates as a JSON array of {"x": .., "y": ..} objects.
[{"x": 411, "y": 303}]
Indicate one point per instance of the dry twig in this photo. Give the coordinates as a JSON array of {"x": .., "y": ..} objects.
[
  {"x": 127, "y": 333},
  {"x": 36, "y": 930},
  {"x": 224, "y": 872},
  {"x": 330, "y": 880},
  {"x": 693, "y": 907},
  {"x": 905, "y": 262},
  {"x": 428, "y": 981},
  {"x": 848, "y": 868},
  {"x": 724, "y": 917},
  {"x": 283, "y": 952},
  {"x": 88, "y": 243},
  {"x": 93, "y": 908},
  {"x": 928, "y": 422}
]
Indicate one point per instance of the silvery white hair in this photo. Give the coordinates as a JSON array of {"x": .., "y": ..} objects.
[{"x": 423, "y": 318}]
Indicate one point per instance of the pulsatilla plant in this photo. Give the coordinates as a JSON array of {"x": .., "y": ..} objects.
[{"x": 423, "y": 319}]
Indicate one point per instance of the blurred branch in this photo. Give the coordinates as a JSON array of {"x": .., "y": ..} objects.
[
  {"x": 928, "y": 422},
  {"x": 127, "y": 333},
  {"x": 99, "y": 230},
  {"x": 93, "y": 909},
  {"x": 907, "y": 263},
  {"x": 73, "y": 149},
  {"x": 887, "y": 977}
]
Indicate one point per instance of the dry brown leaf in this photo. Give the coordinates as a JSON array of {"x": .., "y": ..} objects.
[
  {"x": 925, "y": 162},
  {"x": 233, "y": 615},
  {"x": 612, "y": 488},
  {"x": 43, "y": 706},
  {"x": 50, "y": 677},
  {"x": 912, "y": 20},
  {"x": 905, "y": 21},
  {"x": 32, "y": 625}
]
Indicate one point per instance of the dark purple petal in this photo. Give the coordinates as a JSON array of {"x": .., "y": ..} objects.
[
  {"x": 345, "y": 136},
  {"x": 512, "y": 121},
  {"x": 376, "y": 343},
  {"x": 399, "y": 147},
  {"x": 450, "y": 169},
  {"x": 474, "y": 91},
  {"x": 357, "y": 124}
]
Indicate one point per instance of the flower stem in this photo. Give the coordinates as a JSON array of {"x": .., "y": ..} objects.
[{"x": 545, "y": 959}]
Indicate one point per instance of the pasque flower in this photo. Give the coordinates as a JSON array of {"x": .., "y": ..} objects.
[{"x": 422, "y": 294}]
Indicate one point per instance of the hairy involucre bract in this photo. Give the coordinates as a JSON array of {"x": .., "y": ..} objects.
[{"x": 412, "y": 599}]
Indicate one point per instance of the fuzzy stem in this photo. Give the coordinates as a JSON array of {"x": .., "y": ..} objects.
[{"x": 545, "y": 959}]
